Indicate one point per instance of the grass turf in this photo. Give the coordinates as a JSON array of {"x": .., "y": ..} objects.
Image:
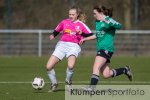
[{"x": 25, "y": 68}]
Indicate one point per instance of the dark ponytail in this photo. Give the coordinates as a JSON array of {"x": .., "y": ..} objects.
[{"x": 106, "y": 11}]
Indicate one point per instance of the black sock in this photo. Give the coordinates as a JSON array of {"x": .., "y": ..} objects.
[
  {"x": 118, "y": 71},
  {"x": 94, "y": 79}
]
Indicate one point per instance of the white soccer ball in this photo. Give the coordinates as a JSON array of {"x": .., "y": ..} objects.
[{"x": 38, "y": 83}]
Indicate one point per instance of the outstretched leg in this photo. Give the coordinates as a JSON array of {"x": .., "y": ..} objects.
[
  {"x": 51, "y": 73},
  {"x": 107, "y": 72}
]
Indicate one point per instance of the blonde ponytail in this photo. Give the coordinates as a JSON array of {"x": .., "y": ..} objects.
[{"x": 82, "y": 17}]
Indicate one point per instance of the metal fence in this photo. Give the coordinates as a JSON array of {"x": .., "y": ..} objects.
[{"x": 36, "y": 42}]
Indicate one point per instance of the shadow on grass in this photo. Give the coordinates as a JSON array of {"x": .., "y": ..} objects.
[{"x": 60, "y": 90}]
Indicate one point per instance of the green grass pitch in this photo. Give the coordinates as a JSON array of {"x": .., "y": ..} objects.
[{"x": 24, "y": 68}]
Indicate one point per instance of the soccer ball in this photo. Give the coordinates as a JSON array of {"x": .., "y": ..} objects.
[{"x": 38, "y": 83}]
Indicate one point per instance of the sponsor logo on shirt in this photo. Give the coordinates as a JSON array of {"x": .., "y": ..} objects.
[
  {"x": 100, "y": 33},
  {"x": 67, "y": 31}
]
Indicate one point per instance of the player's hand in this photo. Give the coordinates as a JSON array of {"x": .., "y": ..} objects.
[
  {"x": 81, "y": 41},
  {"x": 51, "y": 37}
]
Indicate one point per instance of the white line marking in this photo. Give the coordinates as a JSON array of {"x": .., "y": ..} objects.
[{"x": 62, "y": 82}]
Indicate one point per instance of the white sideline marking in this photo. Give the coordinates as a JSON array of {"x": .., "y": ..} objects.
[{"x": 62, "y": 82}]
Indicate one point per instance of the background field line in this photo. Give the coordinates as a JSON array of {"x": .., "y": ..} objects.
[{"x": 62, "y": 82}]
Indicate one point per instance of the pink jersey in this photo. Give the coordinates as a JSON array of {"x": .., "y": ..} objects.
[{"x": 68, "y": 29}]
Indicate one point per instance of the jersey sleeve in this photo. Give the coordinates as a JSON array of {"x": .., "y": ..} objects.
[
  {"x": 86, "y": 32},
  {"x": 112, "y": 23},
  {"x": 85, "y": 29},
  {"x": 59, "y": 27}
]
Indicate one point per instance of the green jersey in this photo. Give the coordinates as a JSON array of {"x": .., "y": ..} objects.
[{"x": 105, "y": 34}]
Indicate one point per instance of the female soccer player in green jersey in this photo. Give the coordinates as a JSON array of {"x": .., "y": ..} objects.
[{"x": 105, "y": 32}]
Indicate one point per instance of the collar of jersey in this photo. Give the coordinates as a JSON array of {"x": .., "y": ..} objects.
[
  {"x": 98, "y": 21},
  {"x": 74, "y": 21}
]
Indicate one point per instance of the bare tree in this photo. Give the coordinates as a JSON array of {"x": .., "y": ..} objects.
[{"x": 127, "y": 13}]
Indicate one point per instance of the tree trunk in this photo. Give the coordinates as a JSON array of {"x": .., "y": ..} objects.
[{"x": 127, "y": 14}]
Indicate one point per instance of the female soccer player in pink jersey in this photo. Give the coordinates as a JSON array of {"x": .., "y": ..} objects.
[{"x": 73, "y": 30}]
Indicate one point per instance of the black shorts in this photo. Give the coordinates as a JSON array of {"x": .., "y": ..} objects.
[{"x": 106, "y": 54}]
